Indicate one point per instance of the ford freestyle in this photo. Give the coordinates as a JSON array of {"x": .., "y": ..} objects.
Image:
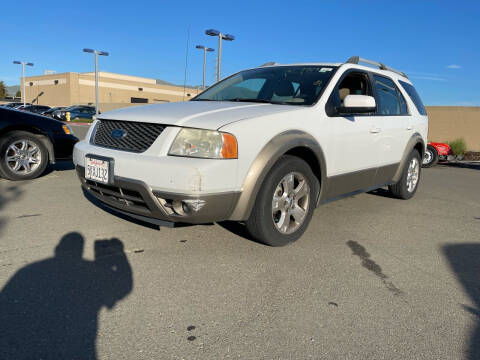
[{"x": 263, "y": 147}]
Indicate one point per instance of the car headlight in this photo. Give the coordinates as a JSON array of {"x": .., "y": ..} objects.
[{"x": 204, "y": 144}]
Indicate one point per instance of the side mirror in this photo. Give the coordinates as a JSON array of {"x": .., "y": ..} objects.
[{"x": 357, "y": 104}]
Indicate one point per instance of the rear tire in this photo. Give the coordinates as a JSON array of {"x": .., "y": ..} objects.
[
  {"x": 23, "y": 156},
  {"x": 431, "y": 157},
  {"x": 407, "y": 186},
  {"x": 285, "y": 203}
]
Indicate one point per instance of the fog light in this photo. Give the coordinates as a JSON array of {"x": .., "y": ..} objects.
[
  {"x": 181, "y": 207},
  {"x": 178, "y": 207}
]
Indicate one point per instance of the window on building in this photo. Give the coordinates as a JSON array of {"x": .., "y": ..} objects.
[{"x": 135, "y": 100}]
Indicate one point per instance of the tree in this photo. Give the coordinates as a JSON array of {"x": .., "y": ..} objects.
[
  {"x": 3, "y": 90},
  {"x": 18, "y": 94}
]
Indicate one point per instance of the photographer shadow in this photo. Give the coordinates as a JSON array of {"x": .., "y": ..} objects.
[
  {"x": 49, "y": 309},
  {"x": 464, "y": 260}
]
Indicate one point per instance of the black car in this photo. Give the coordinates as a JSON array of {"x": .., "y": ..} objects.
[
  {"x": 13, "y": 104},
  {"x": 29, "y": 142},
  {"x": 37, "y": 109},
  {"x": 76, "y": 112},
  {"x": 50, "y": 111}
]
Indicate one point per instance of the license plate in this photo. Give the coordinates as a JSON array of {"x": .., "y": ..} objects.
[{"x": 97, "y": 170}]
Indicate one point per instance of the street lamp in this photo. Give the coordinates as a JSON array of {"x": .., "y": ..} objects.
[
  {"x": 213, "y": 32},
  {"x": 205, "y": 49},
  {"x": 96, "y": 53},
  {"x": 23, "y": 63}
]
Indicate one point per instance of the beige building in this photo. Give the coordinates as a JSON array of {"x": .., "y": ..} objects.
[
  {"x": 447, "y": 123},
  {"x": 114, "y": 90}
]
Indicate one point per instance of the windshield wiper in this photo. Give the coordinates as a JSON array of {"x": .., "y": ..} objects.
[{"x": 249, "y": 100}]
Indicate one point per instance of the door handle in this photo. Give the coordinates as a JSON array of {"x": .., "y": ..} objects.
[
  {"x": 410, "y": 127},
  {"x": 375, "y": 130}
]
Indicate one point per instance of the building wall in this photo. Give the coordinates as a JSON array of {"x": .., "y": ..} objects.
[
  {"x": 48, "y": 90},
  {"x": 74, "y": 88},
  {"x": 447, "y": 123}
]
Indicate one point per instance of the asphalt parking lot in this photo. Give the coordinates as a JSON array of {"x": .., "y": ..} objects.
[{"x": 372, "y": 278}]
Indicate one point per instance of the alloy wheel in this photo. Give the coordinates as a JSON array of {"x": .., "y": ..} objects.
[
  {"x": 23, "y": 156},
  {"x": 427, "y": 159},
  {"x": 290, "y": 203},
  {"x": 413, "y": 174}
]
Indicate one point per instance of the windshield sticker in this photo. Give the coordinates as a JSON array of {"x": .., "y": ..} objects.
[{"x": 325, "y": 69}]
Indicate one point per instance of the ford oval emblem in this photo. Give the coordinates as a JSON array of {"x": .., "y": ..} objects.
[{"x": 118, "y": 133}]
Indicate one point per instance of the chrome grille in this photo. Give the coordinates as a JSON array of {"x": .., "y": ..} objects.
[{"x": 139, "y": 135}]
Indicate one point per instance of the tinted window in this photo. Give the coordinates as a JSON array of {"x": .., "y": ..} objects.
[
  {"x": 414, "y": 96},
  {"x": 292, "y": 85},
  {"x": 390, "y": 100},
  {"x": 353, "y": 83}
]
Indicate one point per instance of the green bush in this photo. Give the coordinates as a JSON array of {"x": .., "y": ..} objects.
[{"x": 458, "y": 146}]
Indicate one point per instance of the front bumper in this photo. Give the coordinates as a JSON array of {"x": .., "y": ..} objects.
[
  {"x": 137, "y": 199},
  {"x": 63, "y": 145}
]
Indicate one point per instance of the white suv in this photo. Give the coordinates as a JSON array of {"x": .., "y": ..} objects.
[{"x": 264, "y": 147}]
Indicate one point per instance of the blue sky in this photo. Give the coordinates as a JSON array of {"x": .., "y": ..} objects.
[{"x": 435, "y": 42}]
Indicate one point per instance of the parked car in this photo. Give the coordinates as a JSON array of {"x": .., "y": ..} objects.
[
  {"x": 264, "y": 147},
  {"x": 76, "y": 112},
  {"x": 436, "y": 152},
  {"x": 13, "y": 104},
  {"x": 37, "y": 109},
  {"x": 50, "y": 111},
  {"x": 29, "y": 142}
]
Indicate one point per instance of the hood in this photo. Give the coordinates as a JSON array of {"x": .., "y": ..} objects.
[{"x": 196, "y": 114}]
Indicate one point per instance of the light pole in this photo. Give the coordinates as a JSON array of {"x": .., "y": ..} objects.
[
  {"x": 221, "y": 36},
  {"x": 23, "y": 63},
  {"x": 205, "y": 49},
  {"x": 96, "y": 53}
]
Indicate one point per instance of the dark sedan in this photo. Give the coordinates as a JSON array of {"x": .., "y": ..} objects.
[
  {"x": 29, "y": 142},
  {"x": 50, "y": 111},
  {"x": 76, "y": 112},
  {"x": 37, "y": 109}
]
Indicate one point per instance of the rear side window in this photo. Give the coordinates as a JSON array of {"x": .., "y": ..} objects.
[
  {"x": 390, "y": 100},
  {"x": 414, "y": 96}
]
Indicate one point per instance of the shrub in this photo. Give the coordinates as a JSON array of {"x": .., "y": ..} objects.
[{"x": 458, "y": 146}]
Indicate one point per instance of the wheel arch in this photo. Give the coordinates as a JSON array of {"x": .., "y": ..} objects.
[
  {"x": 416, "y": 142},
  {"x": 293, "y": 142},
  {"x": 44, "y": 138}
]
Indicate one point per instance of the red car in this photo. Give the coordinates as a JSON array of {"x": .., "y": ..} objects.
[{"x": 435, "y": 152}]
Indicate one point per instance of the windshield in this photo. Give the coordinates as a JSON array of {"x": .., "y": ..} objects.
[{"x": 291, "y": 85}]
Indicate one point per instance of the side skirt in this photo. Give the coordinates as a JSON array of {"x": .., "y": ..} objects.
[
  {"x": 344, "y": 185},
  {"x": 354, "y": 193}
]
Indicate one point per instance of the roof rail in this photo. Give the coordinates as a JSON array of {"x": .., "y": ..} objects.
[
  {"x": 358, "y": 59},
  {"x": 270, "y": 63}
]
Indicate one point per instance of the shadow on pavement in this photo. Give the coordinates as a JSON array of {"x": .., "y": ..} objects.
[
  {"x": 49, "y": 309},
  {"x": 464, "y": 260},
  {"x": 463, "y": 165},
  {"x": 8, "y": 193},
  {"x": 238, "y": 229},
  {"x": 61, "y": 165}
]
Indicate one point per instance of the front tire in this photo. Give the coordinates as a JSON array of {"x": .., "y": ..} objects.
[
  {"x": 431, "y": 157},
  {"x": 285, "y": 203},
  {"x": 407, "y": 186},
  {"x": 23, "y": 156}
]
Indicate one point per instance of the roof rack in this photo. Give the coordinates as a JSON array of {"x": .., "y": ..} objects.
[
  {"x": 270, "y": 63},
  {"x": 358, "y": 59}
]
